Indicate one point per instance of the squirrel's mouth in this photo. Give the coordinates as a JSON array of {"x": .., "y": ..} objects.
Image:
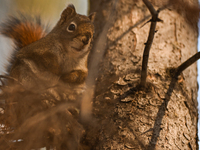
[
  {"x": 81, "y": 41},
  {"x": 86, "y": 38}
]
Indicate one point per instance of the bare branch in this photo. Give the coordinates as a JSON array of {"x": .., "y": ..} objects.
[
  {"x": 147, "y": 48},
  {"x": 187, "y": 63},
  {"x": 154, "y": 20},
  {"x": 150, "y": 7}
]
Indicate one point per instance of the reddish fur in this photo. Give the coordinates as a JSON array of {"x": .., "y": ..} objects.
[
  {"x": 24, "y": 30},
  {"x": 26, "y": 33}
]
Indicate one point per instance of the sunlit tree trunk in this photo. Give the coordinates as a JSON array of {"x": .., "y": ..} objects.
[{"x": 164, "y": 114}]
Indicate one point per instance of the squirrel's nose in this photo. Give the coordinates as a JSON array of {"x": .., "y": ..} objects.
[{"x": 86, "y": 38}]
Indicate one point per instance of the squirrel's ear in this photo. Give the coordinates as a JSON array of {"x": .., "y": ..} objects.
[
  {"x": 70, "y": 10},
  {"x": 92, "y": 16}
]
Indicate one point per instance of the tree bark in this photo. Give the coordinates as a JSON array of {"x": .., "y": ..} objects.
[{"x": 163, "y": 115}]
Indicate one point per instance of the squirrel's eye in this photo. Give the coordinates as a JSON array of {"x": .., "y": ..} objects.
[{"x": 71, "y": 27}]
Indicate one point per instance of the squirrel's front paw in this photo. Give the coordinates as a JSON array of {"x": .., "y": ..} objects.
[{"x": 74, "y": 77}]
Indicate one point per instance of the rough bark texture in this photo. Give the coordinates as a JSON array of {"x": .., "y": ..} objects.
[{"x": 164, "y": 114}]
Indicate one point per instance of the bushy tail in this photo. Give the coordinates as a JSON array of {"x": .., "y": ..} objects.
[{"x": 23, "y": 30}]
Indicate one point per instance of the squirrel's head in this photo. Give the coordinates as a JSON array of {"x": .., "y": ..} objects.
[{"x": 75, "y": 30}]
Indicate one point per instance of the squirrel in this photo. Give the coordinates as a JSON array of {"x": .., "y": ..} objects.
[
  {"x": 51, "y": 64},
  {"x": 43, "y": 60}
]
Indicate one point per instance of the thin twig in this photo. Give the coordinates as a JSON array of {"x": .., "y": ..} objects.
[
  {"x": 147, "y": 48},
  {"x": 99, "y": 50},
  {"x": 187, "y": 63},
  {"x": 10, "y": 78},
  {"x": 150, "y": 7},
  {"x": 2, "y": 83}
]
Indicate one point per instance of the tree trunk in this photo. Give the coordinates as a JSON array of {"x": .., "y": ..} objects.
[{"x": 163, "y": 115}]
